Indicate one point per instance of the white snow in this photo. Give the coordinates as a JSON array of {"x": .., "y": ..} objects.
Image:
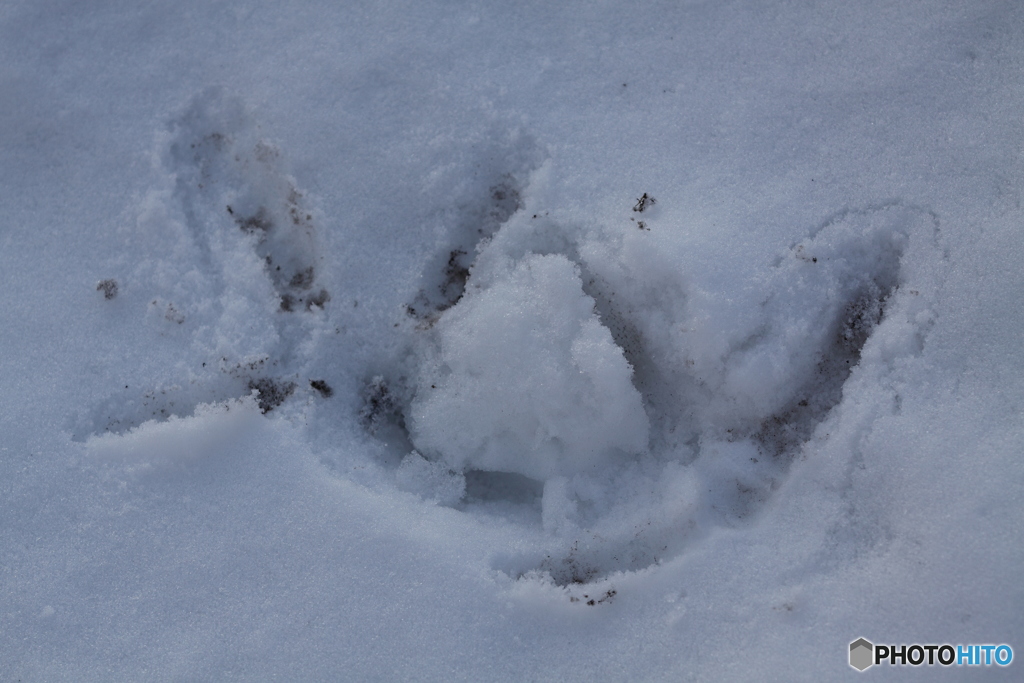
[
  {"x": 170, "y": 444},
  {"x": 508, "y": 341},
  {"x": 527, "y": 379}
]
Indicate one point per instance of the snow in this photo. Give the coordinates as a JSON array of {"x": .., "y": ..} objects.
[
  {"x": 513, "y": 341},
  {"x": 527, "y": 380}
]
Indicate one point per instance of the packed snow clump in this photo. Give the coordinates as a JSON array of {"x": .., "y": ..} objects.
[{"x": 527, "y": 380}]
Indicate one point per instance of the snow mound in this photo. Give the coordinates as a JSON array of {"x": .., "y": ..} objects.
[{"x": 526, "y": 379}]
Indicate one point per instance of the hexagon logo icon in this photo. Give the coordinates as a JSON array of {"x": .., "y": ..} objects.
[{"x": 861, "y": 654}]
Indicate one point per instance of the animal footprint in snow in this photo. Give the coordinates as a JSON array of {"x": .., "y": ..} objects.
[
  {"x": 642, "y": 406},
  {"x": 227, "y": 175},
  {"x": 232, "y": 243}
]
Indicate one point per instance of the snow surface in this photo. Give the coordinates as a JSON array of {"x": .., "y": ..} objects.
[{"x": 508, "y": 341}]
